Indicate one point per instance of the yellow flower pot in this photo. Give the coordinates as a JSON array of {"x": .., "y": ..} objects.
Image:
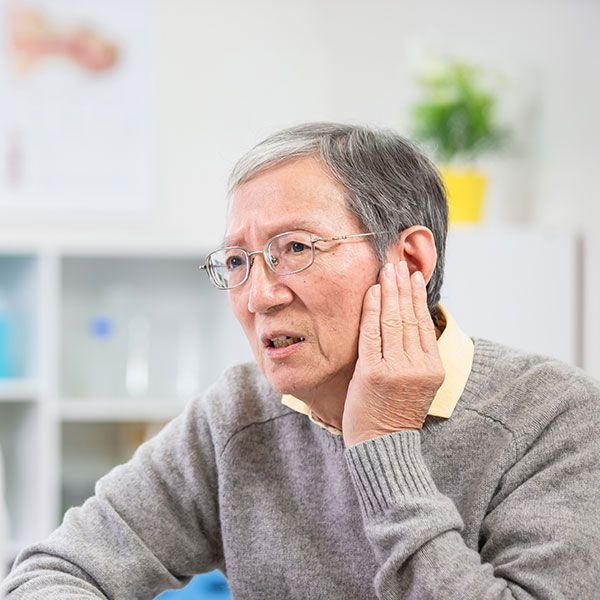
[{"x": 465, "y": 189}]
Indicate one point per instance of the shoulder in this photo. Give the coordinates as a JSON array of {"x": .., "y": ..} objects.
[
  {"x": 241, "y": 397},
  {"x": 526, "y": 391}
]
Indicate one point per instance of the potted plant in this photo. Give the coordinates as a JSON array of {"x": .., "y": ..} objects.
[{"x": 457, "y": 117}]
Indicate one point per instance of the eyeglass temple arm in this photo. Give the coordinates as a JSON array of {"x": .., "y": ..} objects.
[{"x": 345, "y": 237}]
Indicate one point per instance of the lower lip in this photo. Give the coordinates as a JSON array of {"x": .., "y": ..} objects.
[{"x": 277, "y": 353}]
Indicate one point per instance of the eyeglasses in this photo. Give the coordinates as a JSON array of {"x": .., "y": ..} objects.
[{"x": 285, "y": 254}]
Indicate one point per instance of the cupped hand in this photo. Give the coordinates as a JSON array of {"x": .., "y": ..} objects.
[{"x": 399, "y": 369}]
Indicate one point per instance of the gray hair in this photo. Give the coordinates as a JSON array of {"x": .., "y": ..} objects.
[{"x": 390, "y": 184}]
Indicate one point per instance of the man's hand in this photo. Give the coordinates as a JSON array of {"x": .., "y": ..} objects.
[{"x": 399, "y": 369}]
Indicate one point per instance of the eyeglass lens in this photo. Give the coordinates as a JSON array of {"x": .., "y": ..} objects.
[{"x": 287, "y": 253}]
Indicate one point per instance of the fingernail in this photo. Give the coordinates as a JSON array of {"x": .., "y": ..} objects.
[
  {"x": 376, "y": 291},
  {"x": 389, "y": 269},
  {"x": 403, "y": 269},
  {"x": 418, "y": 276}
]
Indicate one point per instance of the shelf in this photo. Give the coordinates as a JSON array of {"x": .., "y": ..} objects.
[
  {"x": 111, "y": 411},
  {"x": 18, "y": 390}
]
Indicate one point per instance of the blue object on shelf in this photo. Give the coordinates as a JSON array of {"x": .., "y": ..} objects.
[
  {"x": 102, "y": 327},
  {"x": 211, "y": 586}
]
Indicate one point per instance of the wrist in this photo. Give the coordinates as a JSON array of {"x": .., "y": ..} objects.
[{"x": 352, "y": 439}]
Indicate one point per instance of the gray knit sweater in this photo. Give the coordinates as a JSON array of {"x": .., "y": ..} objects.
[{"x": 502, "y": 500}]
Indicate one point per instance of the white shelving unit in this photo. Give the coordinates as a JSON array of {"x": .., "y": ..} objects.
[
  {"x": 15, "y": 390},
  {"x": 62, "y": 423},
  {"x": 72, "y": 410}
]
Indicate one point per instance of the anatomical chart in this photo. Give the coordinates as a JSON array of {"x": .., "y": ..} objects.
[{"x": 78, "y": 97}]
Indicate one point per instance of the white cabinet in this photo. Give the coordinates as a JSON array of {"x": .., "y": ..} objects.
[{"x": 100, "y": 349}]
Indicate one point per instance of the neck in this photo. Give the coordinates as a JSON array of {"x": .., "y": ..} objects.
[{"x": 327, "y": 400}]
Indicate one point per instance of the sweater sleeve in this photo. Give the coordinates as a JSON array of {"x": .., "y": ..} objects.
[
  {"x": 537, "y": 540},
  {"x": 152, "y": 524}
]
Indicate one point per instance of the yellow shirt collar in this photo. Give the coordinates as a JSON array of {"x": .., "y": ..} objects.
[{"x": 456, "y": 351}]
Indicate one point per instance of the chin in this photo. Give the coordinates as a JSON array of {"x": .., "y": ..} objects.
[
  {"x": 286, "y": 385},
  {"x": 285, "y": 381}
]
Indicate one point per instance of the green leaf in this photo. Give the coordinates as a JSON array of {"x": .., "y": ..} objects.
[{"x": 457, "y": 114}]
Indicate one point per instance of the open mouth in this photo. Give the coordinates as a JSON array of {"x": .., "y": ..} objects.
[{"x": 284, "y": 341}]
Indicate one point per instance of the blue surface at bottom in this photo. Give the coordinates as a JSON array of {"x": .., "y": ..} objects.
[{"x": 211, "y": 586}]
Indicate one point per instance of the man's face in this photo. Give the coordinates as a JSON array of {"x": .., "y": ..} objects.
[{"x": 322, "y": 305}]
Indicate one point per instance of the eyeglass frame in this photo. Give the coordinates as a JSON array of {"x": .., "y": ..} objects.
[{"x": 265, "y": 252}]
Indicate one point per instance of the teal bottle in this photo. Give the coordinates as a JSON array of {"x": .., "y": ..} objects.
[{"x": 5, "y": 368}]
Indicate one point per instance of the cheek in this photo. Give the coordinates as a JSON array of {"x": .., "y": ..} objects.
[
  {"x": 344, "y": 300},
  {"x": 339, "y": 308}
]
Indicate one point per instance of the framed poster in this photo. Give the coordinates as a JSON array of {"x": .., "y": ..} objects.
[{"x": 78, "y": 117}]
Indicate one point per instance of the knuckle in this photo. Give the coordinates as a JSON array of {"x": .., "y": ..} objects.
[
  {"x": 392, "y": 322},
  {"x": 370, "y": 312},
  {"x": 420, "y": 292},
  {"x": 421, "y": 373},
  {"x": 426, "y": 324},
  {"x": 370, "y": 332},
  {"x": 428, "y": 373},
  {"x": 410, "y": 321},
  {"x": 438, "y": 375}
]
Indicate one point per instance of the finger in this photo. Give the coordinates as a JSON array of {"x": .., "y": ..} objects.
[
  {"x": 428, "y": 338},
  {"x": 410, "y": 326},
  {"x": 391, "y": 320},
  {"x": 369, "y": 338}
]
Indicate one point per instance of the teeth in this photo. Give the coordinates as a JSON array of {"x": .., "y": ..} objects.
[{"x": 284, "y": 341}]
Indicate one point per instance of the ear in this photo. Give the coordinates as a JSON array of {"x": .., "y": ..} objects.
[{"x": 417, "y": 247}]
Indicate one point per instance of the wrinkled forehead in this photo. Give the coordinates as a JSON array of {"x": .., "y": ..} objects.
[
  {"x": 298, "y": 194},
  {"x": 303, "y": 175}
]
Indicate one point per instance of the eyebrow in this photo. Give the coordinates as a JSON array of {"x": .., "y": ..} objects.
[{"x": 305, "y": 225}]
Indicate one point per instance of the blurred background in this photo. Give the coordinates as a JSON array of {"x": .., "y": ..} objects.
[{"x": 119, "y": 122}]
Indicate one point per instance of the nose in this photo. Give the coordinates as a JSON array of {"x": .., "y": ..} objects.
[{"x": 267, "y": 292}]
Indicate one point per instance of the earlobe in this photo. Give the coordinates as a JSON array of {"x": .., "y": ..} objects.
[{"x": 416, "y": 246}]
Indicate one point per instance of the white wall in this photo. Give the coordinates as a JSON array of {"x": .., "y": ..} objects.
[{"x": 231, "y": 71}]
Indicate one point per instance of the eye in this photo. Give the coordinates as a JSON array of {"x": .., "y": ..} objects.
[
  {"x": 234, "y": 262},
  {"x": 297, "y": 247}
]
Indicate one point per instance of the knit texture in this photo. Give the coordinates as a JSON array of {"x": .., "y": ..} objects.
[{"x": 499, "y": 501}]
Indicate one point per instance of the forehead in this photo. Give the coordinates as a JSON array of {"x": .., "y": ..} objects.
[{"x": 297, "y": 194}]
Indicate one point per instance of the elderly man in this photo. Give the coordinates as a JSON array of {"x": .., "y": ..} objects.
[{"x": 373, "y": 450}]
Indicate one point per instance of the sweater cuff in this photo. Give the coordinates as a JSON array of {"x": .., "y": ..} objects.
[{"x": 388, "y": 470}]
